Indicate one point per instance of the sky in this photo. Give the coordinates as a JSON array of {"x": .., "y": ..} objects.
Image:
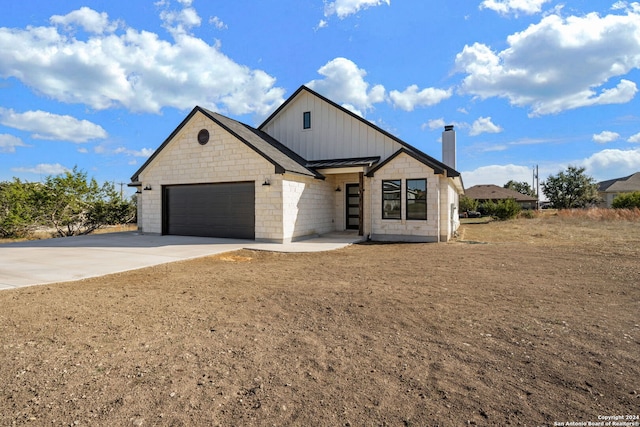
[{"x": 100, "y": 84}]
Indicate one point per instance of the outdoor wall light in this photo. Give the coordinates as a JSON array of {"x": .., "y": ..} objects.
[
  {"x": 338, "y": 188},
  {"x": 148, "y": 188},
  {"x": 266, "y": 182}
]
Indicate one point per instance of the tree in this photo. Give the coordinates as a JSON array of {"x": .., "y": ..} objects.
[
  {"x": 468, "y": 204},
  {"x": 521, "y": 187},
  {"x": 627, "y": 201},
  {"x": 571, "y": 189},
  {"x": 18, "y": 208},
  {"x": 74, "y": 205}
]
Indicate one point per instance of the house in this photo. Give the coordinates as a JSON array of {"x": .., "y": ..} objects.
[
  {"x": 311, "y": 168},
  {"x": 483, "y": 193},
  {"x": 609, "y": 190}
]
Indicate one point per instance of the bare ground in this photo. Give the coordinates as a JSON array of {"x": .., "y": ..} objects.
[{"x": 529, "y": 322}]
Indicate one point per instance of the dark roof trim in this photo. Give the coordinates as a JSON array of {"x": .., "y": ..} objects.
[
  {"x": 134, "y": 178},
  {"x": 269, "y": 140},
  {"x": 342, "y": 163},
  {"x": 279, "y": 169},
  {"x": 450, "y": 171},
  {"x": 424, "y": 160}
]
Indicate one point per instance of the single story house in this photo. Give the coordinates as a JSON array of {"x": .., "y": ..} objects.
[
  {"x": 495, "y": 193},
  {"x": 609, "y": 190},
  {"x": 313, "y": 167}
]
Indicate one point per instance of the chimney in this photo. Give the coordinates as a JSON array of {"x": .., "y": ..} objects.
[{"x": 449, "y": 146}]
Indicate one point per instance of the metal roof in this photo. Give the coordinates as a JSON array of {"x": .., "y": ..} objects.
[{"x": 343, "y": 163}]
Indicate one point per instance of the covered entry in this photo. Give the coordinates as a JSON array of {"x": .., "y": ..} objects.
[{"x": 209, "y": 210}]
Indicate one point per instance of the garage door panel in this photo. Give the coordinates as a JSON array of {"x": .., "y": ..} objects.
[{"x": 210, "y": 210}]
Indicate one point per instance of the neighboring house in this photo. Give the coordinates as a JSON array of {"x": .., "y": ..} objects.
[
  {"x": 311, "y": 168},
  {"x": 609, "y": 190},
  {"x": 483, "y": 193}
]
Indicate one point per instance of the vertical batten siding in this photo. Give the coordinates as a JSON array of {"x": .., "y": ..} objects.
[{"x": 334, "y": 134}]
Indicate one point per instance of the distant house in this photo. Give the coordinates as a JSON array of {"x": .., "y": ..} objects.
[
  {"x": 483, "y": 193},
  {"x": 609, "y": 190}
]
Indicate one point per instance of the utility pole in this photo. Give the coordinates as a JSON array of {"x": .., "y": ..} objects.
[
  {"x": 536, "y": 185},
  {"x": 121, "y": 191}
]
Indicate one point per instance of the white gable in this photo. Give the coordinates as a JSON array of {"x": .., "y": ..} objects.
[{"x": 334, "y": 134}]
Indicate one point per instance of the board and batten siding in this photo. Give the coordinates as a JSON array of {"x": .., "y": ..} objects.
[{"x": 334, "y": 134}]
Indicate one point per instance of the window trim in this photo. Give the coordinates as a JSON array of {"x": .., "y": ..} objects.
[
  {"x": 306, "y": 120},
  {"x": 399, "y": 199},
  {"x": 407, "y": 212}
]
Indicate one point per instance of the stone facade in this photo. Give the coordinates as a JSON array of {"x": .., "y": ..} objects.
[
  {"x": 402, "y": 168},
  {"x": 293, "y": 202}
]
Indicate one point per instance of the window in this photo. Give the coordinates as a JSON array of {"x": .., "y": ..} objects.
[
  {"x": 391, "y": 199},
  {"x": 306, "y": 120},
  {"x": 417, "y": 199}
]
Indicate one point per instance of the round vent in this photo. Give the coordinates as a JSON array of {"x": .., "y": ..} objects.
[{"x": 203, "y": 136}]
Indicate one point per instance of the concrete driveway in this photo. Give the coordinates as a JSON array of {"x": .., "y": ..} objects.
[{"x": 73, "y": 258}]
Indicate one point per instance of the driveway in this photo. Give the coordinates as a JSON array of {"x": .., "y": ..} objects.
[{"x": 73, "y": 258}]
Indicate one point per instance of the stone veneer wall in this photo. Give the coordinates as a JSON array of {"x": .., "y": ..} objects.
[
  {"x": 405, "y": 167},
  {"x": 222, "y": 159},
  {"x": 307, "y": 207}
]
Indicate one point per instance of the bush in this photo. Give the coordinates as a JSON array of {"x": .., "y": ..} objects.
[
  {"x": 627, "y": 201},
  {"x": 468, "y": 204},
  {"x": 503, "y": 209}
]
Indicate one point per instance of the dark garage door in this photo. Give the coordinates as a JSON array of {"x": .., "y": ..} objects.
[{"x": 210, "y": 210}]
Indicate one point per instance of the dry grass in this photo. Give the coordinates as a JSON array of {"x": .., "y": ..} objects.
[
  {"x": 50, "y": 234},
  {"x": 564, "y": 227}
]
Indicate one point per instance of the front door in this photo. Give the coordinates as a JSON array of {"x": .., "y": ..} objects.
[{"x": 353, "y": 207}]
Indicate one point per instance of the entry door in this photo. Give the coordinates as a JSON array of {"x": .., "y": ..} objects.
[{"x": 353, "y": 206}]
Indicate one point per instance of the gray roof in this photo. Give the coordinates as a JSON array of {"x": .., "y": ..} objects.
[
  {"x": 621, "y": 185},
  {"x": 273, "y": 151},
  {"x": 282, "y": 157},
  {"x": 494, "y": 192}
]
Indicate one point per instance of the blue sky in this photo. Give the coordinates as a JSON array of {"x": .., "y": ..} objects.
[{"x": 100, "y": 84}]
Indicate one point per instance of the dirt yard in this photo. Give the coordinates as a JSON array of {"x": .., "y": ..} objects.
[{"x": 528, "y": 322}]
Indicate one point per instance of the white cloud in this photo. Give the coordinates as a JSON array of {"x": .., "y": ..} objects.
[
  {"x": 8, "y": 143},
  {"x": 44, "y": 125},
  {"x": 344, "y": 83},
  {"x": 484, "y": 125},
  {"x": 105, "y": 149},
  {"x": 634, "y": 138},
  {"x": 606, "y": 136},
  {"x": 90, "y": 20},
  {"x": 609, "y": 164},
  {"x": 558, "y": 64},
  {"x": 497, "y": 175},
  {"x": 135, "y": 69},
  {"x": 344, "y": 8},
  {"x": 411, "y": 97},
  {"x": 43, "y": 169},
  {"x": 217, "y": 22},
  {"x": 434, "y": 124},
  {"x": 505, "y": 7}
]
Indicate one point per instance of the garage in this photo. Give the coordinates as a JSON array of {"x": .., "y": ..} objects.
[{"x": 210, "y": 210}]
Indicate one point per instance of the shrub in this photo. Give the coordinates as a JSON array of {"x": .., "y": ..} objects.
[
  {"x": 627, "y": 201},
  {"x": 468, "y": 204},
  {"x": 503, "y": 209}
]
